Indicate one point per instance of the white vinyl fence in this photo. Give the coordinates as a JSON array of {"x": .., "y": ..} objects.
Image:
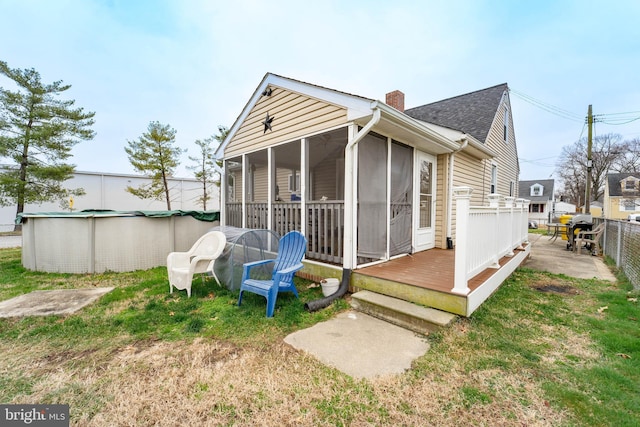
[{"x": 485, "y": 234}]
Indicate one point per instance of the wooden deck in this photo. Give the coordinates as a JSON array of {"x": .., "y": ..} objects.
[
  {"x": 424, "y": 278},
  {"x": 427, "y": 278},
  {"x": 431, "y": 269}
]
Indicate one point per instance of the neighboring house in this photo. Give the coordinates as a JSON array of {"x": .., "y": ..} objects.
[
  {"x": 561, "y": 208},
  {"x": 107, "y": 191},
  {"x": 368, "y": 182},
  {"x": 622, "y": 195},
  {"x": 595, "y": 209},
  {"x": 540, "y": 195}
]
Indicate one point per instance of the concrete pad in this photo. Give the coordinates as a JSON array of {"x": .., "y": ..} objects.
[
  {"x": 45, "y": 303},
  {"x": 360, "y": 345},
  {"x": 553, "y": 257}
]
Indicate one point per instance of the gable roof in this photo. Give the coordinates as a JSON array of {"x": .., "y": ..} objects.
[
  {"x": 613, "y": 181},
  {"x": 472, "y": 113},
  {"x": 360, "y": 110},
  {"x": 524, "y": 190}
]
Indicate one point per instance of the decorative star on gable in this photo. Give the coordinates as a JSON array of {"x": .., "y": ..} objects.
[{"x": 267, "y": 123}]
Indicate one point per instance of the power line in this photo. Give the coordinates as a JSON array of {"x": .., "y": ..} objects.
[
  {"x": 548, "y": 107},
  {"x": 606, "y": 118},
  {"x": 620, "y": 121}
]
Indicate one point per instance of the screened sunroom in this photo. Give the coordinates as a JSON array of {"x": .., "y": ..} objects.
[{"x": 300, "y": 186}]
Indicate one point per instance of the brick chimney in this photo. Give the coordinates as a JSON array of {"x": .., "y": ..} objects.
[{"x": 395, "y": 99}]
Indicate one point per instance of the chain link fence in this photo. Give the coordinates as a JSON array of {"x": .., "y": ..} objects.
[{"x": 621, "y": 242}]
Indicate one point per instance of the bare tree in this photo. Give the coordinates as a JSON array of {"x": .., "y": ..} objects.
[
  {"x": 204, "y": 168},
  {"x": 607, "y": 151},
  {"x": 207, "y": 168},
  {"x": 629, "y": 161}
]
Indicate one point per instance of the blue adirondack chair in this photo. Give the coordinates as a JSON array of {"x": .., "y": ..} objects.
[{"x": 291, "y": 249}]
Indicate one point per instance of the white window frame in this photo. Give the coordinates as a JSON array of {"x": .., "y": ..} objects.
[
  {"x": 231, "y": 187},
  {"x": 629, "y": 205},
  {"x": 629, "y": 184},
  {"x": 505, "y": 125},
  {"x": 537, "y": 190},
  {"x": 296, "y": 184},
  {"x": 494, "y": 178}
]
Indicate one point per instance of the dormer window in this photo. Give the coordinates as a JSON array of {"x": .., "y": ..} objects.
[
  {"x": 536, "y": 190},
  {"x": 629, "y": 184}
]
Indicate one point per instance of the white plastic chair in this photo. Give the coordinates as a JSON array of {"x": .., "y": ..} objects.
[{"x": 181, "y": 266}]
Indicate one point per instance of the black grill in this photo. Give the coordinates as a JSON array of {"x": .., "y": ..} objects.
[{"x": 576, "y": 224}]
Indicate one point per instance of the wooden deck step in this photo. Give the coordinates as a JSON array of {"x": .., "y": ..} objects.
[{"x": 411, "y": 316}]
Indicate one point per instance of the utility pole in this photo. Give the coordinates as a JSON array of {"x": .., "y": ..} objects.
[{"x": 587, "y": 191}]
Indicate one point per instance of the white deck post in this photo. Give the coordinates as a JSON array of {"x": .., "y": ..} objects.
[
  {"x": 494, "y": 202},
  {"x": 462, "y": 195},
  {"x": 508, "y": 202},
  {"x": 523, "y": 218}
]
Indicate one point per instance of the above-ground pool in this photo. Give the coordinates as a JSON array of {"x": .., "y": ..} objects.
[{"x": 95, "y": 242}]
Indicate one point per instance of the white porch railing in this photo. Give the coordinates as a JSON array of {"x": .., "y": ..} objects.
[
  {"x": 324, "y": 224},
  {"x": 326, "y": 230},
  {"x": 486, "y": 234}
]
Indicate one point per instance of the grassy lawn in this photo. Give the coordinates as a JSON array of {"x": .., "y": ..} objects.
[{"x": 545, "y": 350}]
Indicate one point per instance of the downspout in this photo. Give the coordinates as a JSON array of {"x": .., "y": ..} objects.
[
  {"x": 350, "y": 189},
  {"x": 465, "y": 142}
]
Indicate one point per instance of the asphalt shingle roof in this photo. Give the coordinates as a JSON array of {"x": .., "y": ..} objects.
[
  {"x": 524, "y": 190},
  {"x": 613, "y": 180},
  {"x": 472, "y": 113}
]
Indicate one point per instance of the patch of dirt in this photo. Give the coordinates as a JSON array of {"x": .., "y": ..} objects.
[{"x": 555, "y": 287}]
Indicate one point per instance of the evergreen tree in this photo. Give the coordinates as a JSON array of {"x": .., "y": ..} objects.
[
  {"x": 154, "y": 155},
  {"x": 37, "y": 132}
]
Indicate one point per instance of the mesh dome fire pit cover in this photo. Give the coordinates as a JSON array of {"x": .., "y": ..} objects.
[{"x": 244, "y": 245}]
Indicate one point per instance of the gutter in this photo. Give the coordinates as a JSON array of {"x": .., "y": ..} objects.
[
  {"x": 350, "y": 215},
  {"x": 465, "y": 142},
  {"x": 350, "y": 185}
]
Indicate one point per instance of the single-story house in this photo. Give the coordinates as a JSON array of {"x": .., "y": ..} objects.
[
  {"x": 540, "y": 195},
  {"x": 383, "y": 193},
  {"x": 621, "y": 195}
]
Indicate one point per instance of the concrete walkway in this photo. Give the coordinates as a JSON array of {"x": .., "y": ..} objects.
[
  {"x": 553, "y": 257},
  {"x": 365, "y": 347}
]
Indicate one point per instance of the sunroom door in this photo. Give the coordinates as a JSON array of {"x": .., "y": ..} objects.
[{"x": 425, "y": 201}]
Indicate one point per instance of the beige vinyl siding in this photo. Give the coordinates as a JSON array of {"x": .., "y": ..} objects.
[
  {"x": 261, "y": 184},
  {"x": 282, "y": 180},
  {"x": 471, "y": 172},
  {"x": 441, "y": 200},
  {"x": 294, "y": 116},
  {"x": 324, "y": 181},
  {"x": 507, "y": 158},
  {"x": 237, "y": 187},
  {"x": 475, "y": 173}
]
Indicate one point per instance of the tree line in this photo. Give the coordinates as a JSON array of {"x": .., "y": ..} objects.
[
  {"x": 610, "y": 153},
  {"x": 38, "y": 130}
]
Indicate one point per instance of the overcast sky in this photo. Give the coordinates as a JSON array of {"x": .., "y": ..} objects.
[{"x": 194, "y": 64}]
